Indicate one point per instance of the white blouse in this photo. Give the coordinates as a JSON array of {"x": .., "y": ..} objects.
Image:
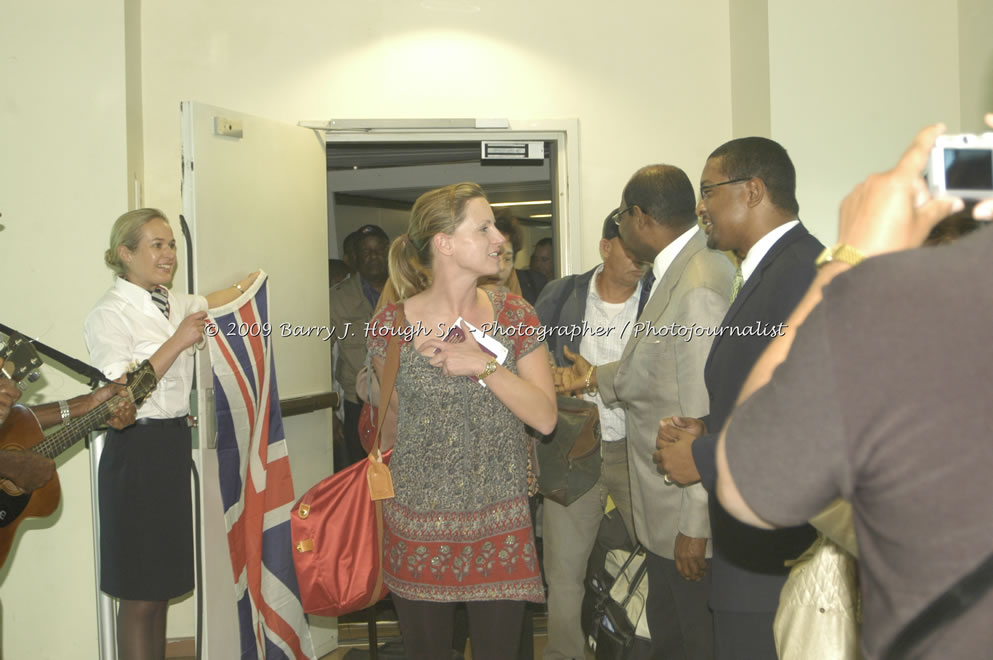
[{"x": 125, "y": 328}]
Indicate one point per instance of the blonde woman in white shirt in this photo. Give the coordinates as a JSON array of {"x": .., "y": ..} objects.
[{"x": 146, "y": 529}]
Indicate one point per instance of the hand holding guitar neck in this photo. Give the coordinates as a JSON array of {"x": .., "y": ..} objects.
[{"x": 120, "y": 405}]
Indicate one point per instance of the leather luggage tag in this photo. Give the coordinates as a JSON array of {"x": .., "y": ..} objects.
[{"x": 378, "y": 476}]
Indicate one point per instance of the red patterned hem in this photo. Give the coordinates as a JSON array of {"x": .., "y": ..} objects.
[
  {"x": 530, "y": 590},
  {"x": 448, "y": 556}
]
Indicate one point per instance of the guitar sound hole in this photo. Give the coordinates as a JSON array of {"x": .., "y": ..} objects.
[{"x": 11, "y": 507}]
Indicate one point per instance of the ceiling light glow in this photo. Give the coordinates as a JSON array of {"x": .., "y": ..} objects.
[{"x": 531, "y": 203}]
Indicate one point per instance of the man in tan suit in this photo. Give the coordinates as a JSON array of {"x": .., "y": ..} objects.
[
  {"x": 352, "y": 302},
  {"x": 661, "y": 370}
]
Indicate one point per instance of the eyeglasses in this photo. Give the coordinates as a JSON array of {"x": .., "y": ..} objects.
[
  {"x": 706, "y": 189},
  {"x": 616, "y": 215}
]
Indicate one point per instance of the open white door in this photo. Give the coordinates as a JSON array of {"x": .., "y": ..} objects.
[{"x": 254, "y": 196}]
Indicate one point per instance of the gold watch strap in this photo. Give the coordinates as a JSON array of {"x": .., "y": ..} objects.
[
  {"x": 491, "y": 366},
  {"x": 840, "y": 252}
]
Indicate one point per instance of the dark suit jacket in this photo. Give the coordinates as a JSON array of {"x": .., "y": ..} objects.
[
  {"x": 563, "y": 302},
  {"x": 532, "y": 283},
  {"x": 748, "y": 571}
]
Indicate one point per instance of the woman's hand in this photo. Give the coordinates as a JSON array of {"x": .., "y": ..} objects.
[
  {"x": 230, "y": 293},
  {"x": 246, "y": 282},
  {"x": 465, "y": 358},
  {"x": 190, "y": 330}
]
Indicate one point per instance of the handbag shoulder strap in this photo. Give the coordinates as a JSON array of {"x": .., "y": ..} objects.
[
  {"x": 638, "y": 575},
  {"x": 389, "y": 379},
  {"x": 943, "y": 610},
  {"x": 635, "y": 582}
]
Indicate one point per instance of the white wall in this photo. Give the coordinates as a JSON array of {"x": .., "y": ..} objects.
[
  {"x": 975, "y": 63},
  {"x": 749, "y": 40},
  {"x": 63, "y": 180},
  {"x": 851, "y": 83},
  {"x": 629, "y": 75}
]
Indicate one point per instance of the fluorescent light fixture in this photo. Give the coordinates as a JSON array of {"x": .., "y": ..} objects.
[
  {"x": 507, "y": 150},
  {"x": 531, "y": 203},
  {"x": 541, "y": 215}
]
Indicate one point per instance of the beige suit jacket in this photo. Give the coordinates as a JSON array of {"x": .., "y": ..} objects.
[
  {"x": 350, "y": 311},
  {"x": 660, "y": 374}
]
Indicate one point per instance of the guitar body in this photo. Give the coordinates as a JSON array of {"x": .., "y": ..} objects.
[{"x": 20, "y": 432}]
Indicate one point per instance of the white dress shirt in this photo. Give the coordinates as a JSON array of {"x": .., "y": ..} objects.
[
  {"x": 762, "y": 247},
  {"x": 602, "y": 349},
  {"x": 668, "y": 254},
  {"x": 125, "y": 328}
]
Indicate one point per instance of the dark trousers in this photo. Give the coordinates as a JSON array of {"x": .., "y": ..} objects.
[
  {"x": 679, "y": 619},
  {"x": 427, "y": 628},
  {"x": 744, "y": 635},
  {"x": 352, "y": 451}
]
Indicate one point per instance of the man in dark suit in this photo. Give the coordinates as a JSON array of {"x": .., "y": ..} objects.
[
  {"x": 748, "y": 206},
  {"x": 539, "y": 273}
]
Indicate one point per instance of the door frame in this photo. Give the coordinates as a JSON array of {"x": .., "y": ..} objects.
[{"x": 563, "y": 133}]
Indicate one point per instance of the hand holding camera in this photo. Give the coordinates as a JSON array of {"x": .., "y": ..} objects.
[{"x": 896, "y": 210}]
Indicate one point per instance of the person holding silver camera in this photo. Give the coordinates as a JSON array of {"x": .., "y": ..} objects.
[{"x": 871, "y": 405}]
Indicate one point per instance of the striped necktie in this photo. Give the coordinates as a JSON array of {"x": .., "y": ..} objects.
[
  {"x": 160, "y": 296},
  {"x": 737, "y": 283},
  {"x": 647, "y": 282}
]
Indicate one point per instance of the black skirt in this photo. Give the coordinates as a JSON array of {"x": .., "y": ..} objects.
[{"x": 146, "y": 517}]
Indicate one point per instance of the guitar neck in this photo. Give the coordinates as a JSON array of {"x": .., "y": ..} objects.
[
  {"x": 74, "y": 430},
  {"x": 140, "y": 383}
]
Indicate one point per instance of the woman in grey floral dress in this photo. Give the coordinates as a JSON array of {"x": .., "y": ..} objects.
[{"x": 459, "y": 528}]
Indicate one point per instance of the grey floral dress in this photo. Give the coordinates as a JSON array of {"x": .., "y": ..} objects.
[{"x": 459, "y": 528}]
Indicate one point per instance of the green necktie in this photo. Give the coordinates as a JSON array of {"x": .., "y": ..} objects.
[{"x": 736, "y": 283}]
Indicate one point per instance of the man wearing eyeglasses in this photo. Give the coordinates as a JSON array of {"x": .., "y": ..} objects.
[
  {"x": 660, "y": 373},
  {"x": 748, "y": 206}
]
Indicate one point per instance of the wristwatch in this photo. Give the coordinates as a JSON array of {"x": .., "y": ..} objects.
[
  {"x": 491, "y": 366},
  {"x": 842, "y": 252}
]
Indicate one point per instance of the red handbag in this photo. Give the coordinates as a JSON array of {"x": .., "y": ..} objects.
[
  {"x": 367, "y": 425},
  {"x": 337, "y": 526}
]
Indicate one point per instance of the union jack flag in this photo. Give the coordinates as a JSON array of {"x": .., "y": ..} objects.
[{"x": 256, "y": 485}]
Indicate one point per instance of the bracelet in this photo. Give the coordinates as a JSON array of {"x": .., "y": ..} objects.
[
  {"x": 237, "y": 285},
  {"x": 591, "y": 389},
  {"x": 842, "y": 252},
  {"x": 64, "y": 410},
  {"x": 491, "y": 366}
]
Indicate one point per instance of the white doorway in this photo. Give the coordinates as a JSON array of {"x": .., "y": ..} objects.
[{"x": 403, "y": 176}]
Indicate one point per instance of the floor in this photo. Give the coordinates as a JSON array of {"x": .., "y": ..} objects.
[{"x": 354, "y": 635}]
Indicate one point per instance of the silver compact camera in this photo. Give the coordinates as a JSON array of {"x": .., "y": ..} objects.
[{"x": 962, "y": 166}]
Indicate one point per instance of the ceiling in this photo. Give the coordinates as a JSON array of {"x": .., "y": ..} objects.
[{"x": 384, "y": 155}]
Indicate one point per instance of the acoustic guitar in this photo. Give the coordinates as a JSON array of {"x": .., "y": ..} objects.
[{"x": 22, "y": 432}]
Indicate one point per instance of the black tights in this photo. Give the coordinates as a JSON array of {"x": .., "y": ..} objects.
[
  {"x": 494, "y": 628},
  {"x": 141, "y": 629}
]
